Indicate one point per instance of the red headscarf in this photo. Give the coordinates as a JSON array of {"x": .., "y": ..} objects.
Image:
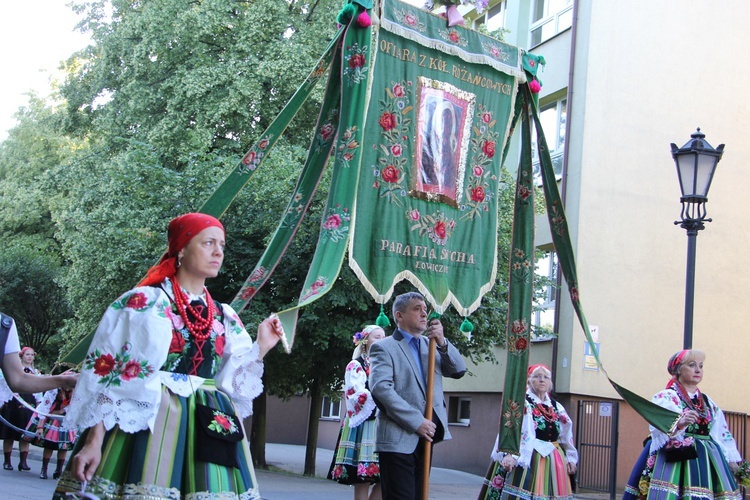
[
  {"x": 673, "y": 366},
  {"x": 181, "y": 230},
  {"x": 533, "y": 368}
]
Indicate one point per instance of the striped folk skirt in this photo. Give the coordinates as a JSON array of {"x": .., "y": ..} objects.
[
  {"x": 705, "y": 477},
  {"x": 545, "y": 478},
  {"x": 162, "y": 464},
  {"x": 355, "y": 460}
]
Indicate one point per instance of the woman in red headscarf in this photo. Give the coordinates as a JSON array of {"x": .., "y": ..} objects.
[
  {"x": 696, "y": 459},
  {"x": 167, "y": 380},
  {"x": 547, "y": 453}
]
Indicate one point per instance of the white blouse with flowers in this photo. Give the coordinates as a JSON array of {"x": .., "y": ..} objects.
[
  {"x": 359, "y": 402},
  {"x": 529, "y": 442},
  {"x": 717, "y": 425},
  {"x": 130, "y": 356}
]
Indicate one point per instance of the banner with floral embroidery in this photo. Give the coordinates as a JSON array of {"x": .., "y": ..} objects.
[{"x": 438, "y": 116}]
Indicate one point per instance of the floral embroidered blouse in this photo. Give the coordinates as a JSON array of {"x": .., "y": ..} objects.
[
  {"x": 142, "y": 344},
  {"x": 543, "y": 424},
  {"x": 714, "y": 422},
  {"x": 360, "y": 405}
]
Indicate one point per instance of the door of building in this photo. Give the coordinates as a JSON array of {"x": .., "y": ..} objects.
[{"x": 596, "y": 441}]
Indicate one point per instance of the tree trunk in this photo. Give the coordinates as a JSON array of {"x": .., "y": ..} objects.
[
  {"x": 258, "y": 432},
  {"x": 316, "y": 402}
]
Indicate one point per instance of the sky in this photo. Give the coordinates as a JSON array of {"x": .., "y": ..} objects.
[{"x": 35, "y": 37}]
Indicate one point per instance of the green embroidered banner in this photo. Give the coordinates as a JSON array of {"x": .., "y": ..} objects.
[{"x": 437, "y": 116}]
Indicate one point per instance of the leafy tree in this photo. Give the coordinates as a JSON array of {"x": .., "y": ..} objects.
[{"x": 31, "y": 294}]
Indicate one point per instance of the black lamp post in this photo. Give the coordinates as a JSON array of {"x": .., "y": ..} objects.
[{"x": 696, "y": 163}]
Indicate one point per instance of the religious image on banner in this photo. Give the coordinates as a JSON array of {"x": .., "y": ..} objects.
[{"x": 444, "y": 115}]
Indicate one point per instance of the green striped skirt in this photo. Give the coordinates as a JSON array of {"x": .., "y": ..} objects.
[
  {"x": 706, "y": 477},
  {"x": 161, "y": 465},
  {"x": 545, "y": 478}
]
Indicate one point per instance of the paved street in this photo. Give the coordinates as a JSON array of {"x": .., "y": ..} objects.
[{"x": 283, "y": 482}]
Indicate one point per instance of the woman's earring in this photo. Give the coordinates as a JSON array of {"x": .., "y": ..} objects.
[{"x": 179, "y": 262}]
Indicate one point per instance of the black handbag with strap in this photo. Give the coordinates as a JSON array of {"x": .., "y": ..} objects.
[{"x": 217, "y": 436}]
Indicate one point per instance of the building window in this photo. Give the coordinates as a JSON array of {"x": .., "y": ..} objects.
[
  {"x": 543, "y": 315},
  {"x": 331, "y": 409},
  {"x": 552, "y": 117},
  {"x": 548, "y": 18},
  {"x": 459, "y": 410},
  {"x": 493, "y": 18}
]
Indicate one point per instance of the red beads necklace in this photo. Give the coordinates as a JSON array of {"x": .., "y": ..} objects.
[
  {"x": 699, "y": 407},
  {"x": 199, "y": 327}
]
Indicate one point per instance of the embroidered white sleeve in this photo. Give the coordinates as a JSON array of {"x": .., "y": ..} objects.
[
  {"x": 528, "y": 436},
  {"x": 667, "y": 399},
  {"x": 119, "y": 383},
  {"x": 721, "y": 434},
  {"x": 359, "y": 402},
  {"x": 240, "y": 374}
]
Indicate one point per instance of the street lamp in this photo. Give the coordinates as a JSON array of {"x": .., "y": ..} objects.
[{"x": 696, "y": 162}]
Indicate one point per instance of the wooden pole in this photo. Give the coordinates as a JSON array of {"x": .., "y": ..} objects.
[{"x": 428, "y": 415}]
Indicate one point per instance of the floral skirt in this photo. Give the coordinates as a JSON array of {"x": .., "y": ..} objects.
[
  {"x": 355, "y": 460},
  {"x": 545, "y": 478},
  {"x": 52, "y": 438},
  {"x": 705, "y": 477},
  {"x": 162, "y": 464}
]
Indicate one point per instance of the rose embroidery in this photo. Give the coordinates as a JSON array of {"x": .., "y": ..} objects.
[
  {"x": 178, "y": 342},
  {"x": 113, "y": 370},
  {"x": 219, "y": 345},
  {"x": 387, "y": 121},
  {"x": 222, "y": 424},
  {"x": 137, "y": 301},
  {"x": 104, "y": 364},
  {"x": 390, "y": 174}
]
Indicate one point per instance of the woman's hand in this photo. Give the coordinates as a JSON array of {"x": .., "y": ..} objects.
[
  {"x": 269, "y": 334},
  {"x": 734, "y": 466},
  {"x": 85, "y": 462},
  {"x": 689, "y": 417},
  {"x": 572, "y": 468},
  {"x": 508, "y": 462}
]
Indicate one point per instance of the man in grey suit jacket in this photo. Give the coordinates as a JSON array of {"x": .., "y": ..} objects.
[{"x": 398, "y": 380}]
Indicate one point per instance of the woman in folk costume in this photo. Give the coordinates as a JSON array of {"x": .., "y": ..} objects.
[
  {"x": 699, "y": 457},
  {"x": 547, "y": 452},
  {"x": 48, "y": 432},
  {"x": 18, "y": 415},
  {"x": 168, "y": 378},
  {"x": 355, "y": 460}
]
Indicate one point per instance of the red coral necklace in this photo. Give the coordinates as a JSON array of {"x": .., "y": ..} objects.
[
  {"x": 547, "y": 412},
  {"x": 199, "y": 327}
]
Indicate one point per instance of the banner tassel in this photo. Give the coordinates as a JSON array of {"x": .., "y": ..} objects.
[
  {"x": 382, "y": 320},
  {"x": 467, "y": 326}
]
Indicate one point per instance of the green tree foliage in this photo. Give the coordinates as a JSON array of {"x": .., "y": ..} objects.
[
  {"x": 30, "y": 292},
  {"x": 193, "y": 76}
]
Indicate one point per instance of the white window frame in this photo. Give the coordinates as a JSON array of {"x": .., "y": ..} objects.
[
  {"x": 332, "y": 407},
  {"x": 547, "y": 266},
  {"x": 559, "y": 21},
  {"x": 555, "y": 138}
]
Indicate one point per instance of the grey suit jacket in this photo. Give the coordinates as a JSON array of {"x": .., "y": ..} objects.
[{"x": 401, "y": 393}]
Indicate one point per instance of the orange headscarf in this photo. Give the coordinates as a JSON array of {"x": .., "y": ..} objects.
[{"x": 181, "y": 230}]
